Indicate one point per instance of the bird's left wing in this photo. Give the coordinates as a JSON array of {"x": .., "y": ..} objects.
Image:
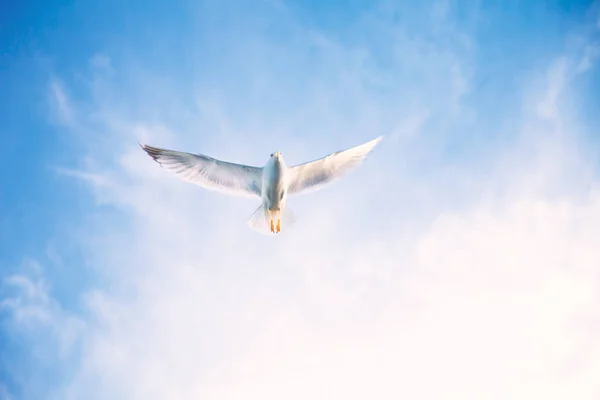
[
  {"x": 210, "y": 173},
  {"x": 317, "y": 174}
]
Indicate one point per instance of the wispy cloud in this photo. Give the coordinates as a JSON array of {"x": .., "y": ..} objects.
[
  {"x": 62, "y": 105},
  {"x": 33, "y": 310}
]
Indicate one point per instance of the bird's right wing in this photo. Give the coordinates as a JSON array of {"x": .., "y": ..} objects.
[
  {"x": 210, "y": 173},
  {"x": 317, "y": 174}
]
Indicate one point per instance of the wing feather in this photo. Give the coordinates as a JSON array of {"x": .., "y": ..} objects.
[
  {"x": 315, "y": 175},
  {"x": 208, "y": 172}
]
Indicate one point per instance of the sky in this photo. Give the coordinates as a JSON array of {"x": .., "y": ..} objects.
[{"x": 458, "y": 262}]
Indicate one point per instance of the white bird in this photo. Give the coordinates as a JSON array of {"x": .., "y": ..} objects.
[{"x": 272, "y": 184}]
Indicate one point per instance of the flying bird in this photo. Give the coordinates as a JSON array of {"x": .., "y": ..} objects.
[{"x": 272, "y": 184}]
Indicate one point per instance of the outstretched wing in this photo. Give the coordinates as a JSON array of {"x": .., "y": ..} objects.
[
  {"x": 317, "y": 174},
  {"x": 210, "y": 173}
]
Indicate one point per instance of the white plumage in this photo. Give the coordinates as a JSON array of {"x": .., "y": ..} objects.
[{"x": 271, "y": 183}]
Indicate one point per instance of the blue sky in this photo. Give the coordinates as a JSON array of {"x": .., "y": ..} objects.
[{"x": 473, "y": 249}]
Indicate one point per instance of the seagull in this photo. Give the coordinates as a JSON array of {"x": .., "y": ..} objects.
[{"x": 272, "y": 184}]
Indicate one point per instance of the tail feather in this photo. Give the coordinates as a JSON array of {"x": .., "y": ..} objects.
[{"x": 260, "y": 220}]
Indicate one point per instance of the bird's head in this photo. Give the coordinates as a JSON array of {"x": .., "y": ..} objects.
[{"x": 277, "y": 159}]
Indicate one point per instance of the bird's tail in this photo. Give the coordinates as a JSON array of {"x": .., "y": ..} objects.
[{"x": 260, "y": 220}]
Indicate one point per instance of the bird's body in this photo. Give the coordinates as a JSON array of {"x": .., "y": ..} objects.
[
  {"x": 273, "y": 193},
  {"x": 273, "y": 183},
  {"x": 274, "y": 186}
]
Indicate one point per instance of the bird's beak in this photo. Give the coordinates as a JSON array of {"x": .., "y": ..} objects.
[{"x": 277, "y": 154}]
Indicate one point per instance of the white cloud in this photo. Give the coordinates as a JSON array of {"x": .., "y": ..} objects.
[
  {"x": 63, "y": 107},
  {"x": 32, "y": 308},
  {"x": 497, "y": 302},
  {"x": 590, "y": 53},
  {"x": 556, "y": 81}
]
